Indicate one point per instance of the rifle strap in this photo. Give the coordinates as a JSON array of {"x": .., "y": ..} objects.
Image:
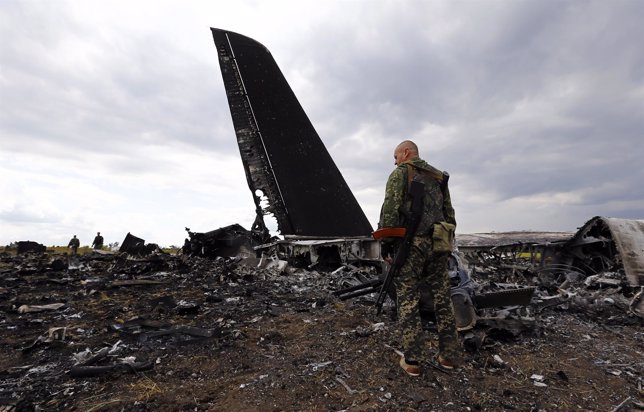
[{"x": 410, "y": 175}]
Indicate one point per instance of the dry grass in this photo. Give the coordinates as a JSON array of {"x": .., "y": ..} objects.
[{"x": 146, "y": 388}]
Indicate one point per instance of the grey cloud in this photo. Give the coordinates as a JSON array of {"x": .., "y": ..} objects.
[
  {"x": 128, "y": 89},
  {"x": 22, "y": 216},
  {"x": 519, "y": 53},
  {"x": 481, "y": 75}
]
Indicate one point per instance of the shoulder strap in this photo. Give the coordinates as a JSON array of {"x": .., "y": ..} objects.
[{"x": 410, "y": 175}]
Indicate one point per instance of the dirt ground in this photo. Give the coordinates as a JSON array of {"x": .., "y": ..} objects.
[{"x": 219, "y": 336}]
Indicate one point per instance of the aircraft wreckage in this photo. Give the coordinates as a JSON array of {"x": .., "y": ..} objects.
[
  {"x": 288, "y": 169},
  {"x": 292, "y": 177}
]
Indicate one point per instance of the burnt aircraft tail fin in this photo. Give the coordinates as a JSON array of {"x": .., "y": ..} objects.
[{"x": 283, "y": 156}]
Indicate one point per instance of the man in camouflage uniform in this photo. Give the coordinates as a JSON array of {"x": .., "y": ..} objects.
[
  {"x": 98, "y": 241},
  {"x": 423, "y": 265},
  {"x": 74, "y": 243}
]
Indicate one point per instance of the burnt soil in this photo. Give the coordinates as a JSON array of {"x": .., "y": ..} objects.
[{"x": 265, "y": 341}]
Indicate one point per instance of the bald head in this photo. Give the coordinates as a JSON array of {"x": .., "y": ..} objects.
[{"x": 406, "y": 150}]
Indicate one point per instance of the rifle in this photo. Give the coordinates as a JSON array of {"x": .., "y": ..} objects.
[{"x": 417, "y": 194}]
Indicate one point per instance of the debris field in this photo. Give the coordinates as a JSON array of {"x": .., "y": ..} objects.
[{"x": 112, "y": 332}]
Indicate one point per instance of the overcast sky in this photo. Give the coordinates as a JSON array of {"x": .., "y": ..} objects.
[{"x": 114, "y": 116}]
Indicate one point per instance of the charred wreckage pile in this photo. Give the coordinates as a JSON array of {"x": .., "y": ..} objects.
[
  {"x": 240, "y": 320},
  {"x": 114, "y": 331}
]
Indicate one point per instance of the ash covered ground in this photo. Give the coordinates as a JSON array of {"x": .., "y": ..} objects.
[{"x": 112, "y": 332}]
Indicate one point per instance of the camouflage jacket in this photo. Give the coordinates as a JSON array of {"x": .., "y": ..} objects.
[{"x": 437, "y": 205}]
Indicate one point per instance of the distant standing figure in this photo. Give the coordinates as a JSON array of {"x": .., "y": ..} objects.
[
  {"x": 98, "y": 241},
  {"x": 74, "y": 243}
]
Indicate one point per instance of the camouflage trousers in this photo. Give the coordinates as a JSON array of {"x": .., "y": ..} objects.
[{"x": 426, "y": 267}]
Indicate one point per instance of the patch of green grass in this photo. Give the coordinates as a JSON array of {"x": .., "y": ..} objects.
[{"x": 60, "y": 250}]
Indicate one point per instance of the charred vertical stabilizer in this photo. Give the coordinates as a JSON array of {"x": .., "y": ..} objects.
[{"x": 283, "y": 156}]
